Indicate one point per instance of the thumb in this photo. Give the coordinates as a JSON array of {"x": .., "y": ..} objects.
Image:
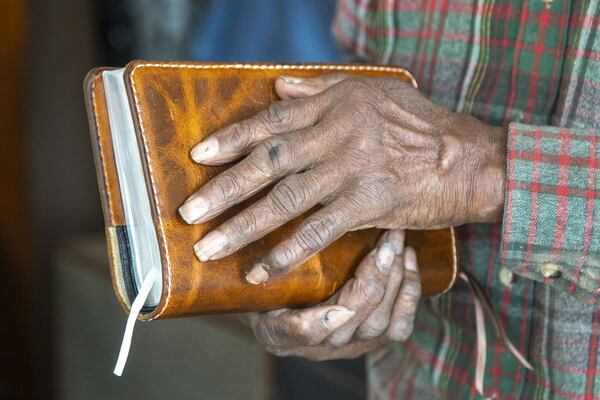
[
  {"x": 290, "y": 87},
  {"x": 304, "y": 327}
]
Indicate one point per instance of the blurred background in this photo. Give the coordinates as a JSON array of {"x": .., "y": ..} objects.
[{"x": 62, "y": 326}]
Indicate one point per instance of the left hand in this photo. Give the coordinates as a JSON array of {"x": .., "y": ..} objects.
[
  {"x": 373, "y": 151},
  {"x": 377, "y": 306}
]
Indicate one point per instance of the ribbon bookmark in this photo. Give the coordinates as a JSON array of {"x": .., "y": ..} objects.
[
  {"x": 482, "y": 302},
  {"x": 134, "y": 312}
]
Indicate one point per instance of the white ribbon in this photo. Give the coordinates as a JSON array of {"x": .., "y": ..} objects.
[
  {"x": 134, "y": 312},
  {"x": 482, "y": 302}
]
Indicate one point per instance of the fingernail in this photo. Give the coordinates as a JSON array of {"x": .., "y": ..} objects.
[
  {"x": 210, "y": 245},
  {"x": 396, "y": 238},
  {"x": 384, "y": 258},
  {"x": 292, "y": 80},
  {"x": 410, "y": 260},
  {"x": 193, "y": 209},
  {"x": 337, "y": 317},
  {"x": 205, "y": 150},
  {"x": 257, "y": 275}
]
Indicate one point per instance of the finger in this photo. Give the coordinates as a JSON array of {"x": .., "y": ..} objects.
[
  {"x": 290, "y": 198},
  {"x": 232, "y": 142},
  {"x": 305, "y": 327},
  {"x": 396, "y": 238},
  {"x": 270, "y": 160},
  {"x": 363, "y": 293},
  {"x": 378, "y": 320},
  {"x": 405, "y": 307},
  {"x": 314, "y": 234},
  {"x": 290, "y": 87}
]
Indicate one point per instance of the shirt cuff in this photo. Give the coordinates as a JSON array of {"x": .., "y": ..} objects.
[{"x": 551, "y": 225}]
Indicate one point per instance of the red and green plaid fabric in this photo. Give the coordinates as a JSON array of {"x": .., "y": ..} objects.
[{"x": 533, "y": 66}]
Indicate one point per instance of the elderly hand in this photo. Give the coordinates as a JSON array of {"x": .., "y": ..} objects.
[
  {"x": 376, "y": 306},
  {"x": 373, "y": 151}
]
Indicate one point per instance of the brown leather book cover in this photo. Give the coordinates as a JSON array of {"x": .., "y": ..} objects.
[{"x": 174, "y": 106}]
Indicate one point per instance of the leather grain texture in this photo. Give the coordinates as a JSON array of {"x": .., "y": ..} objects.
[{"x": 176, "y": 105}]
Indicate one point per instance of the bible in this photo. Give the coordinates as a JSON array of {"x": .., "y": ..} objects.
[{"x": 144, "y": 119}]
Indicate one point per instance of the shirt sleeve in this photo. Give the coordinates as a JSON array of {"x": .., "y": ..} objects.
[{"x": 551, "y": 226}]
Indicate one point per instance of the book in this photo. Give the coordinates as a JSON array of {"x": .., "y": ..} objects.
[{"x": 144, "y": 120}]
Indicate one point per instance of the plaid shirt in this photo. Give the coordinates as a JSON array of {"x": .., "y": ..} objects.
[{"x": 533, "y": 66}]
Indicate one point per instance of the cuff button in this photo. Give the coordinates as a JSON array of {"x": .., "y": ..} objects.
[
  {"x": 550, "y": 271},
  {"x": 507, "y": 277}
]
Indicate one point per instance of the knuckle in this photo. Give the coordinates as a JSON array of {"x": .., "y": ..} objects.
[
  {"x": 371, "y": 291},
  {"x": 414, "y": 288},
  {"x": 228, "y": 186},
  {"x": 311, "y": 340},
  {"x": 258, "y": 164},
  {"x": 286, "y": 197},
  {"x": 241, "y": 135},
  {"x": 243, "y": 225},
  {"x": 277, "y": 113},
  {"x": 303, "y": 332},
  {"x": 272, "y": 156},
  {"x": 407, "y": 302},
  {"x": 339, "y": 339},
  {"x": 279, "y": 152},
  {"x": 301, "y": 328},
  {"x": 372, "y": 329},
  {"x": 400, "y": 330},
  {"x": 314, "y": 233},
  {"x": 410, "y": 295}
]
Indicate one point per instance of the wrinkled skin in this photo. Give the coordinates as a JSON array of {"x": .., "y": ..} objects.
[
  {"x": 373, "y": 151},
  {"x": 375, "y": 307}
]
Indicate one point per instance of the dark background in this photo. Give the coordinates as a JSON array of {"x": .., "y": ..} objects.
[{"x": 49, "y": 193}]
